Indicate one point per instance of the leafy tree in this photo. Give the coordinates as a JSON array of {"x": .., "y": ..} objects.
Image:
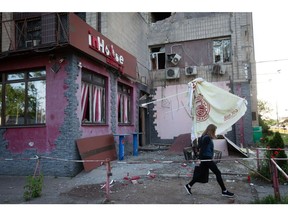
[
  {"x": 277, "y": 143},
  {"x": 263, "y": 108},
  {"x": 274, "y": 150},
  {"x": 264, "y": 125}
]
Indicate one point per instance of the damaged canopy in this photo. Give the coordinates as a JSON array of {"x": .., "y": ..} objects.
[{"x": 210, "y": 104}]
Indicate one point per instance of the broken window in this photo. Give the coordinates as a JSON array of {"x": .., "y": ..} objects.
[
  {"x": 222, "y": 50},
  {"x": 93, "y": 98},
  {"x": 158, "y": 58},
  {"x": 159, "y": 16},
  {"x": 124, "y": 104}
]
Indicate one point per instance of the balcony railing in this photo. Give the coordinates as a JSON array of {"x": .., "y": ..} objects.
[{"x": 26, "y": 31}]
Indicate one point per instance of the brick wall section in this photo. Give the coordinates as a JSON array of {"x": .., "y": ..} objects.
[
  {"x": 180, "y": 27},
  {"x": 113, "y": 106},
  {"x": 154, "y": 136},
  {"x": 70, "y": 130},
  {"x": 113, "y": 102},
  {"x": 91, "y": 19}
]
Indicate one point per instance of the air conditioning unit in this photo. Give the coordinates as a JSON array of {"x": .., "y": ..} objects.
[
  {"x": 31, "y": 43},
  {"x": 174, "y": 58},
  {"x": 219, "y": 69},
  {"x": 172, "y": 73},
  {"x": 223, "y": 69},
  {"x": 190, "y": 70}
]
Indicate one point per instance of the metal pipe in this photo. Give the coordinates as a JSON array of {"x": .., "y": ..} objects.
[
  {"x": 279, "y": 168},
  {"x": 275, "y": 179}
]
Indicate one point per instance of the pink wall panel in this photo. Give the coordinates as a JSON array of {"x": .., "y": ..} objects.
[
  {"x": 20, "y": 139},
  {"x": 41, "y": 138}
]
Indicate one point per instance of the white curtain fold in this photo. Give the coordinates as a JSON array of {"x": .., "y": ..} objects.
[
  {"x": 123, "y": 105},
  {"x": 97, "y": 98},
  {"x": 95, "y": 95},
  {"x": 84, "y": 99}
]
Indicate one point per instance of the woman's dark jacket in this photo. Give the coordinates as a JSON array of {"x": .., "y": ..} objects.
[{"x": 206, "y": 146}]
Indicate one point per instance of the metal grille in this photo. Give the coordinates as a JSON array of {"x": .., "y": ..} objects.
[{"x": 22, "y": 31}]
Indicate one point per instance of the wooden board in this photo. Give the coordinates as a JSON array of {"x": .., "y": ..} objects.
[
  {"x": 236, "y": 147},
  {"x": 96, "y": 148}
]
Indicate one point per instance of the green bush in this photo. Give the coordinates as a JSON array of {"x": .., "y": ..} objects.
[
  {"x": 276, "y": 143},
  {"x": 33, "y": 187},
  {"x": 264, "y": 125}
]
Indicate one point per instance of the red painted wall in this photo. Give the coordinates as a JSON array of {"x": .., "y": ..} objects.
[{"x": 42, "y": 137}]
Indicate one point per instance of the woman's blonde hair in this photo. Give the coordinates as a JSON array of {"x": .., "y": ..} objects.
[{"x": 210, "y": 131}]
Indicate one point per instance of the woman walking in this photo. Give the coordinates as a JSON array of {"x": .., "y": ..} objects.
[{"x": 206, "y": 152}]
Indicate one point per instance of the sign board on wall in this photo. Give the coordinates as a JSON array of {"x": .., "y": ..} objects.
[{"x": 83, "y": 37}]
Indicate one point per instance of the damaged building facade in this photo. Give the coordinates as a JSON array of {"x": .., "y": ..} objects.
[
  {"x": 66, "y": 76},
  {"x": 217, "y": 47}
]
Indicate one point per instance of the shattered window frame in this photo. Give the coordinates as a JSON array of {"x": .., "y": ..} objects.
[
  {"x": 158, "y": 58},
  {"x": 222, "y": 50}
]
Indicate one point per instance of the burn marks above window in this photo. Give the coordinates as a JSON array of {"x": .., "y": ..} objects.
[{"x": 159, "y": 16}]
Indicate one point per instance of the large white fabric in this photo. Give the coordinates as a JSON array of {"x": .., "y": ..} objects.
[{"x": 213, "y": 105}]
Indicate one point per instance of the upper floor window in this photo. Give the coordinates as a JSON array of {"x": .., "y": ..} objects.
[
  {"x": 28, "y": 32},
  {"x": 23, "y": 98},
  {"x": 93, "y": 97},
  {"x": 124, "y": 104},
  {"x": 222, "y": 50},
  {"x": 158, "y": 58}
]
